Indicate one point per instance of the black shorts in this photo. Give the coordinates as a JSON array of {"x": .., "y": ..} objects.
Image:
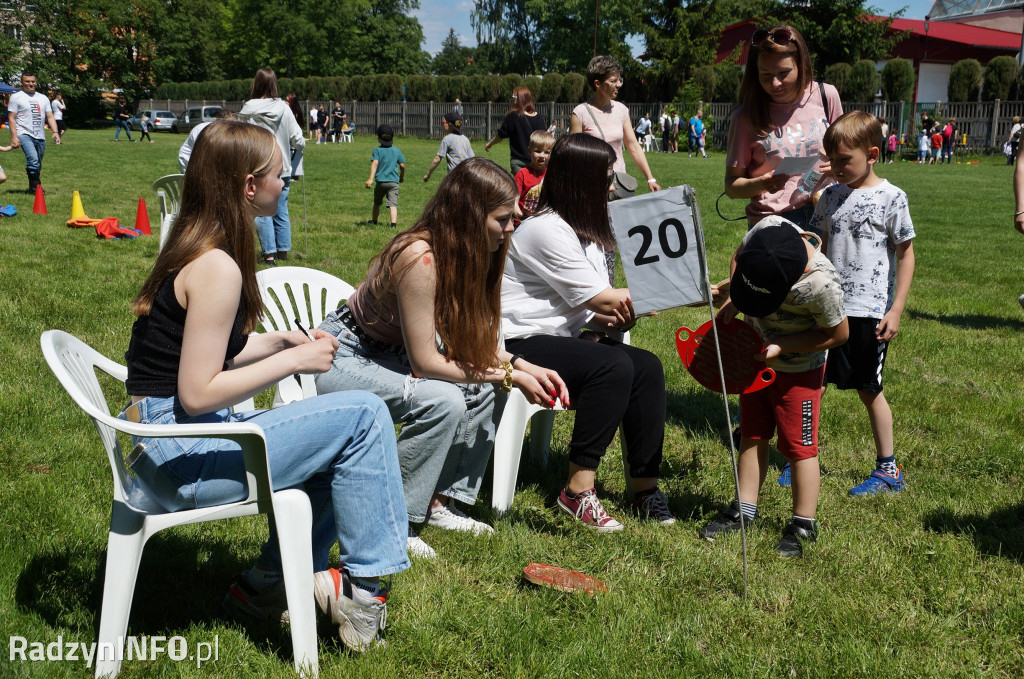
[{"x": 858, "y": 364}]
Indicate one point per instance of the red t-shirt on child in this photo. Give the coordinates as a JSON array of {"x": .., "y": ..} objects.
[
  {"x": 529, "y": 182},
  {"x": 936, "y": 141}
]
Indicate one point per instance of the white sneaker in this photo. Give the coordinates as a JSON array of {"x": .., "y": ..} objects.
[
  {"x": 1021, "y": 300},
  {"x": 359, "y": 616},
  {"x": 417, "y": 547},
  {"x": 449, "y": 517}
]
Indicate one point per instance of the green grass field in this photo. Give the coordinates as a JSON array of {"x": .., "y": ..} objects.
[{"x": 923, "y": 584}]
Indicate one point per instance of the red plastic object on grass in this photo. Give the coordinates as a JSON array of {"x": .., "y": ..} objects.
[
  {"x": 142, "y": 219},
  {"x": 562, "y": 579},
  {"x": 39, "y": 207},
  {"x": 741, "y": 344}
]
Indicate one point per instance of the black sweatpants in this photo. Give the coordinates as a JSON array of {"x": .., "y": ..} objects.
[{"x": 609, "y": 383}]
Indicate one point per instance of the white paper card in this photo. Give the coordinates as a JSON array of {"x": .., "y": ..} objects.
[
  {"x": 657, "y": 242},
  {"x": 797, "y": 164}
]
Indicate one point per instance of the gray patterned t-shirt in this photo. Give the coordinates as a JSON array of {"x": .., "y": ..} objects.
[{"x": 864, "y": 226}]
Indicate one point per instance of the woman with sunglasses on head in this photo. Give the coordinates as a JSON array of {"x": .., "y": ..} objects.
[
  {"x": 782, "y": 112},
  {"x": 607, "y": 119},
  {"x": 555, "y": 287},
  {"x": 421, "y": 332}
]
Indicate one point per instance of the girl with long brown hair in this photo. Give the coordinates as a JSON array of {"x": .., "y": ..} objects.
[
  {"x": 782, "y": 112},
  {"x": 191, "y": 357},
  {"x": 422, "y": 332},
  {"x": 554, "y": 296}
]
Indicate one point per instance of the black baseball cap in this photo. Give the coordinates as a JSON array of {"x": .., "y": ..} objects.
[
  {"x": 385, "y": 134},
  {"x": 455, "y": 120},
  {"x": 772, "y": 261}
]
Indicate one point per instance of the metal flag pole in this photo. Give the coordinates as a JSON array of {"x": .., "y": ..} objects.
[{"x": 692, "y": 195}]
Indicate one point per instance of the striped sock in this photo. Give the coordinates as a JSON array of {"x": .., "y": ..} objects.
[
  {"x": 749, "y": 510},
  {"x": 887, "y": 465}
]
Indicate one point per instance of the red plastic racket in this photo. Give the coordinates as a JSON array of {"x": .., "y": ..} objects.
[
  {"x": 562, "y": 579},
  {"x": 741, "y": 344}
]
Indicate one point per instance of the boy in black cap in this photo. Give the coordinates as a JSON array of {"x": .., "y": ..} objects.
[
  {"x": 387, "y": 166},
  {"x": 782, "y": 280},
  {"x": 454, "y": 146}
]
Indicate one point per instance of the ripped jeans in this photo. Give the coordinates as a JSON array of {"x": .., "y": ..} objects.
[{"x": 447, "y": 428}]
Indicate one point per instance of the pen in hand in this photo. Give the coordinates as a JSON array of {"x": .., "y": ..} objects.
[{"x": 305, "y": 332}]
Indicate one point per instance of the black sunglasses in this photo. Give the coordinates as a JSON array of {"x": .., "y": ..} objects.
[{"x": 780, "y": 36}]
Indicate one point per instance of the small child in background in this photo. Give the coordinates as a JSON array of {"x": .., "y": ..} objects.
[
  {"x": 455, "y": 146},
  {"x": 144, "y": 128},
  {"x": 530, "y": 179},
  {"x": 866, "y": 224},
  {"x": 387, "y": 166},
  {"x": 892, "y": 146},
  {"x": 936, "y": 144},
  {"x": 781, "y": 279},
  {"x": 924, "y": 145}
]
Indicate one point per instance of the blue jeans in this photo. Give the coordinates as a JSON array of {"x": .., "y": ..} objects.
[
  {"x": 117, "y": 130},
  {"x": 34, "y": 149},
  {"x": 339, "y": 449},
  {"x": 447, "y": 429},
  {"x": 276, "y": 232}
]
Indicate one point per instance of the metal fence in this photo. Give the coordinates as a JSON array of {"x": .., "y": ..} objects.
[{"x": 982, "y": 125}]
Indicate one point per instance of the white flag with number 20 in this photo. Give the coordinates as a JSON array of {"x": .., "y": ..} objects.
[{"x": 661, "y": 248}]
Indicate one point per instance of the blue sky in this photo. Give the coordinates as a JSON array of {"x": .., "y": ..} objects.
[{"x": 438, "y": 16}]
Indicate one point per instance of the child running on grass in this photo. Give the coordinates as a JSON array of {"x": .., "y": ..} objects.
[
  {"x": 782, "y": 280},
  {"x": 455, "y": 146},
  {"x": 866, "y": 225},
  {"x": 387, "y": 166},
  {"x": 530, "y": 179}
]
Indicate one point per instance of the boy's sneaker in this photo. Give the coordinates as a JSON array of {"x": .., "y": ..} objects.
[
  {"x": 786, "y": 477},
  {"x": 449, "y": 517},
  {"x": 1020, "y": 300},
  {"x": 654, "y": 505},
  {"x": 728, "y": 521},
  {"x": 588, "y": 509},
  {"x": 268, "y": 603},
  {"x": 796, "y": 534},
  {"x": 359, "y": 616},
  {"x": 880, "y": 482}
]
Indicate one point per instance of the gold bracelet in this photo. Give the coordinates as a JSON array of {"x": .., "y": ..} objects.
[{"x": 506, "y": 384}]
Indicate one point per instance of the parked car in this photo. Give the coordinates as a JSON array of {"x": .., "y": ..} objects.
[
  {"x": 158, "y": 120},
  {"x": 193, "y": 116}
]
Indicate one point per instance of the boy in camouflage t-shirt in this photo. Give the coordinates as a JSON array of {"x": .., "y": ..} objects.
[{"x": 782, "y": 280}]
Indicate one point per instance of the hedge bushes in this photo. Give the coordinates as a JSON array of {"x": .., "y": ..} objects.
[{"x": 566, "y": 88}]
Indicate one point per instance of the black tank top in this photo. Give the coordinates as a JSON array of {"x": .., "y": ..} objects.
[{"x": 155, "y": 348}]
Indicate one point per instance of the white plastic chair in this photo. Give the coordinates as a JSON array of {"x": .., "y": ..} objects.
[
  {"x": 508, "y": 444},
  {"x": 168, "y": 190},
  {"x": 291, "y": 292},
  {"x": 135, "y": 517},
  {"x": 346, "y": 135}
]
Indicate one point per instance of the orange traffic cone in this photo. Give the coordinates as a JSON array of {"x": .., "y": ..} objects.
[
  {"x": 39, "y": 208},
  {"x": 142, "y": 219}
]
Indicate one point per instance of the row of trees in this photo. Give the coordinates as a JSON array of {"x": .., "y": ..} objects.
[
  {"x": 86, "y": 46},
  {"x": 968, "y": 80},
  {"x": 390, "y": 87},
  {"x": 999, "y": 79}
]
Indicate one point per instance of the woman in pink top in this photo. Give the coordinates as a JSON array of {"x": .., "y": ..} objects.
[
  {"x": 782, "y": 112},
  {"x": 607, "y": 119}
]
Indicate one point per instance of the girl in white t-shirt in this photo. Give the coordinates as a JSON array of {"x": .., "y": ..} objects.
[{"x": 555, "y": 286}]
